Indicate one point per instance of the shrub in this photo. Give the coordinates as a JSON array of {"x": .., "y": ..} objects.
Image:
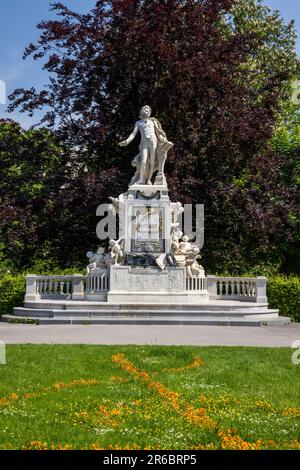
[
  {"x": 12, "y": 291},
  {"x": 284, "y": 294}
]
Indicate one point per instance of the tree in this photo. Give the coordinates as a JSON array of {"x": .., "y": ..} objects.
[
  {"x": 47, "y": 204},
  {"x": 216, "y": 73}
]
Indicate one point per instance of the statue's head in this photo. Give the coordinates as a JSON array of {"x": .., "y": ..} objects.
[
  {"x": 145, "y": 112},
  {"x": 89, "y": 254},
  {"x": 185, "y": 238}
]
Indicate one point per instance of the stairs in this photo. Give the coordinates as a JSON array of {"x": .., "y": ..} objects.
[{"x": 218, "y": 312}]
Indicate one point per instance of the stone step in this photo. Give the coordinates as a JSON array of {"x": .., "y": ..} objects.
[
  {"x": 200, "y": 311},
  {"x": 80, "y": 306},
  {"x": 260, "y": 320}
]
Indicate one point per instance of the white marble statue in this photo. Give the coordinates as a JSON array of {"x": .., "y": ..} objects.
[
  {"x": 154, "y": 147},
  {"x": 188, "y": 255},
  {"x": 176, "y": 235},
  {"x": 116, "y": 252},
  {"x": 97, "y": 260}
]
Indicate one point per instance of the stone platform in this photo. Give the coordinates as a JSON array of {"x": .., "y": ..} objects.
[
  {"x": 218, "y": 312},
  {"x": 97, "y": 299}
]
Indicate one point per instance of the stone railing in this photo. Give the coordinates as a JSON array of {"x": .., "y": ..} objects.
[
  {"x": 196, "y": 283},
  {"x": 55, "y": 287},
  {"x": 97, "y": 283},
  {"x": 248, "y": 289},
  {"x": 69, "y": 287}
]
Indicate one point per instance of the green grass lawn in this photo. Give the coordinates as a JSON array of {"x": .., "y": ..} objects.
[{"x": 153, "y": 397}]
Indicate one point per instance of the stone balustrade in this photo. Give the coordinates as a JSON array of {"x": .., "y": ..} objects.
[
  {"x": 78, "y": 286},
  {"x": 55, "y": 287},
  {"x": 68, "y": 287},
  {"x": 97, "y": 282},
  {"x": 196, "y": 283},
  {"x": 248, "y": 289}
]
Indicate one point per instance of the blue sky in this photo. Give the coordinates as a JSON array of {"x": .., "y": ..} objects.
[{"x": 18, "y": 19}]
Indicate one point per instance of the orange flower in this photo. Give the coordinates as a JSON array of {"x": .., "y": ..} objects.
[{"x": 173, "y": 398}]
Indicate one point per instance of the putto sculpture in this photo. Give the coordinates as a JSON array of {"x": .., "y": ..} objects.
[{"x": 153, "y": 152}]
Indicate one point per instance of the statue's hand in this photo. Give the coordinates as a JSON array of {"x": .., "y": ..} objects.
[{"x": 123, "y": 143}]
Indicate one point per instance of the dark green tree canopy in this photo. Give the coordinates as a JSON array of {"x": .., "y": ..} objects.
[{"x": 217, "y": 73}]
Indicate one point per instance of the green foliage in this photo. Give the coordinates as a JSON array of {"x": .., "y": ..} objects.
[
  {"x": 284, "y": 293},
  {"x": 241, "y": 62},
  {"x": 32, "y": 166},
  {"x": 12, "y": 291}
]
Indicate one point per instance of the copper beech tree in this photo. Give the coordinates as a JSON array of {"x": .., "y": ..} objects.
[{"x": 217, "y": 73}]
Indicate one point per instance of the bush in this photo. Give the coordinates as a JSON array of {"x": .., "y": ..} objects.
[
  {"x": 284, "y": 294},
  {"x": 12, "y": 291}
]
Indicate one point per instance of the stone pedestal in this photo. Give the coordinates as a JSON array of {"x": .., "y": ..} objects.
[
  {"x": 151, "y": 285},
  {"x": 145, "y": 219}
]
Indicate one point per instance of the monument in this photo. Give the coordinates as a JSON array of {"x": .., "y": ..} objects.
[
  {"x": 152, "y": 259},
  {"x": 152, "y": 272}
]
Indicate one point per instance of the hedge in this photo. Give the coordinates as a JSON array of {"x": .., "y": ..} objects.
[
  {"x": 283, "y": 293},
  {"x": 12, "y": 291}
]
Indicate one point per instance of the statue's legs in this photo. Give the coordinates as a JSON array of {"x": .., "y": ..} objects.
[
  {"x": 144, "y": 156},
  {"x": 152, "y": 151}
]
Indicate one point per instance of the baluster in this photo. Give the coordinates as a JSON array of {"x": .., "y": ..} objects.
[
  {"x": 229, "y": 288},
  {"x": 223, "y": 288},
  {"x": 250, "y": 289},
  {"x": 241, "y": 291}
]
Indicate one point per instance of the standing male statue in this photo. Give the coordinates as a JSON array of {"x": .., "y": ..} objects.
[{"x": 154, "y": 147}]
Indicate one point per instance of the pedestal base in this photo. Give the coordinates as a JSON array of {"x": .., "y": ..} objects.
[{"x": 151, "y": 285}]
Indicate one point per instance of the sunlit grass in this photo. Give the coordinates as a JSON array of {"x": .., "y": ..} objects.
[{"x": 100, "y": 397}]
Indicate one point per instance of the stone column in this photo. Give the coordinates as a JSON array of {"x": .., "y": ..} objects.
[
  {"x": 261, "y": 290},
  {"x": 212, "y": 287},
  {"x": 78, "y": 287},
  {"x": 31, "y": 293}
]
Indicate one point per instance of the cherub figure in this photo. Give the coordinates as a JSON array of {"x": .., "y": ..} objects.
[{"x": 116, "y": 251}]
